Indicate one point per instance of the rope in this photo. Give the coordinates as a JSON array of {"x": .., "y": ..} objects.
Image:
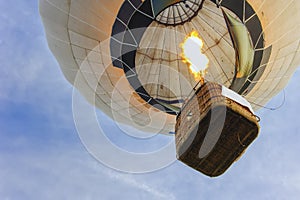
[
  {"x": 160, "y": 59},
  {"x": 272, "y": 108},
  {"x": 257, "y": 118},
  {"x": 239, "y": 139}
]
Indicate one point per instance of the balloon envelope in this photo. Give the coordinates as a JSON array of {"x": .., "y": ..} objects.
[{"x": 125, "y": 56}]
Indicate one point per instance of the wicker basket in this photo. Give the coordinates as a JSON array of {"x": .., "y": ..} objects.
[{"x": 212, "y": 131}]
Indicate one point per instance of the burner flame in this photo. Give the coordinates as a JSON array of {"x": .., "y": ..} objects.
[{"x": 192, "y": 55}]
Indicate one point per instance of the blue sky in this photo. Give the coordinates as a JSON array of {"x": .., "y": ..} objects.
[{"x": 41, "y": 156}]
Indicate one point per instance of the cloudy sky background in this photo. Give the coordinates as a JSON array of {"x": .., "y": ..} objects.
[{"x": 41, "y": 156}]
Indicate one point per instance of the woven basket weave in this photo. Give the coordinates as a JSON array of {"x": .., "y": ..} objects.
[{"x": 212, "y": 131}]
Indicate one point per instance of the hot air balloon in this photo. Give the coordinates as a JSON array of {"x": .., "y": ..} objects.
[{"x": 127, "y": 58}]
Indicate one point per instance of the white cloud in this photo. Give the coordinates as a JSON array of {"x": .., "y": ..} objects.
[
  {"x": 62, "y": 172},
  {"x": 130, "y": 180}
]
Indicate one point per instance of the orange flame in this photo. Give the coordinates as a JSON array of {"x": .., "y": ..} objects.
[{"x": 193, "y": 56}]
